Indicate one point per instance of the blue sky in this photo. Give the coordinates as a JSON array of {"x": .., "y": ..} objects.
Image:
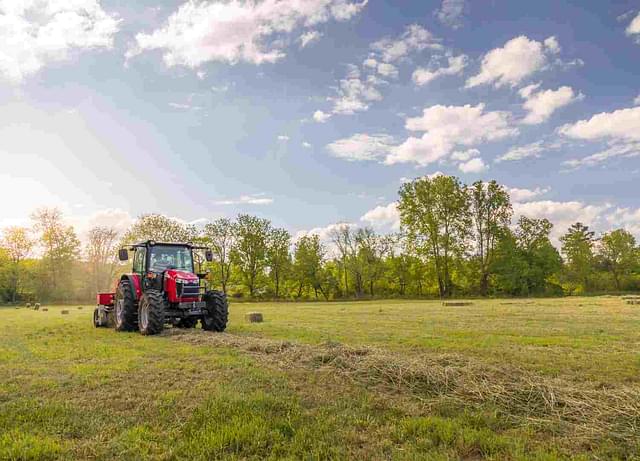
[{"x": 312, "y": 112}]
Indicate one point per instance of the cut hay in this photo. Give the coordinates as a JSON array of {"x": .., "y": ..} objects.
[
  {"x": 633, "y": 301},
  {"x": 582, "y": 411},
  {"x": 64, "y": 311},
  {"x": 254, "y": 317},
  {"x": 457, "y": 303}
]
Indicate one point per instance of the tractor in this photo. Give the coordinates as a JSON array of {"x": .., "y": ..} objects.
[{"x": 163, "y": 288}]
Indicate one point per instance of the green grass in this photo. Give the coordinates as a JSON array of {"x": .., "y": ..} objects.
[{"x": 432, "y": 382}]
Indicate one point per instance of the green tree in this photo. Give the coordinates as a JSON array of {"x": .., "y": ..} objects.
[
  {"x": 18, "y": 244},
  {"x": 101, "y": 250},
  {"x": 342, "y": 238},
  {"x": 159, "y": 228},
  {"x": 308, "y": 260},
  {"x": 250, "y": 250},
  {"x": 220, "y": 235},
  {"x": 278, "y": 259},
  {"x": 619, "y": 254},
  {"x": 491, "y": 210},
  {"x": 435, "y": 213},
  {"x": 60, "y": 250},
  {"x": 577, "y": 248}
]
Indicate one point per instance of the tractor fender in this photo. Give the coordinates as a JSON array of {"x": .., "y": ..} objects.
[{"x": 134, "y": 284}]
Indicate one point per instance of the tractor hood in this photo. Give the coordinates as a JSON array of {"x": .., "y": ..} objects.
[{"x": 175, "y": 274}]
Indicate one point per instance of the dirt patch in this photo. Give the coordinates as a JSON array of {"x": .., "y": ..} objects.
[{"x": 584, "y": 412}]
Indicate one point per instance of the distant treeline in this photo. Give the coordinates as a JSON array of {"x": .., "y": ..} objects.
[{"x": 454, "y": 240}]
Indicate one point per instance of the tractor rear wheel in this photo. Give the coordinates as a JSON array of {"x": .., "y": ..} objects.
[
  {"x": 125, "y": 312},
  {"x": 96, "y": 318},
  {"x": 151, "y": 313},
  {"x": 189, "y": 322},
  {"x": 216, "y": 312}
]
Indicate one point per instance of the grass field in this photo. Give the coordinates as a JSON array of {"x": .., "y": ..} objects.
[{"x": 501, "y": 379}]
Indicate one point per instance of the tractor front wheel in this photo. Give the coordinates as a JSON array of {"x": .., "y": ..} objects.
[
  {"x": 189, "y": 322},
  {"x": 151, "y": 313},
  {"x": 216, "y": 313},
  {"x": 125, "y": 308}
]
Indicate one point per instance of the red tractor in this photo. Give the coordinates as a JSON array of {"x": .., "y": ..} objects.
[{"x": 162, "y": 288}]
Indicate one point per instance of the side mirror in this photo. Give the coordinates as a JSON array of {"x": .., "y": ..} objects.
[
  {"x": 208, "y": 255},
  {"x": 123, "y": 254}
]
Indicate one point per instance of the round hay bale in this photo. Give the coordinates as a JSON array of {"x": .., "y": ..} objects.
[
  {"x": 254, "y": 317},
  {"x": 36, "y": 306},
  {"x": 44, "y": 309},
  {"x": 79, "y": 308},
  {"x": 28, "y": 305},
  {"x": 64, "y": 311}
]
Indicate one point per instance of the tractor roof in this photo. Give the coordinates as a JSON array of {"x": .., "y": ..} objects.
[{"x": 175, "y": 244}]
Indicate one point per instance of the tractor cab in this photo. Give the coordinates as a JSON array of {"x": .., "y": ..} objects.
[{"x": 167, "y": 284}]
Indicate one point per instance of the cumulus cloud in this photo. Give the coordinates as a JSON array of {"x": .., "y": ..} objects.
[
  {"x": 36, "y": 33},
  {"x": 320, "y": 116},
  {"x": 306, "y": 145},
  {"x": 361, "y": 147},
  {"x": 625, "y": 150},
  {"x": 456, "y": 64},
  {"x": 283, "y": 138},
  {"x": 387, "y": 70},
  {"x": 636, "y": 101},
  {"x": 415, "y": 38},
  {"x": 383, "y": 217},
  {"x": 619, "y": 125},
  {"x": 309, "y": 37},
  {"x": 450, "y": 13},
  {"x": 447, "y": 127},
  {"x": 633, "y": 29},
  {"x": 561, "y": 214},
  {"x": 237, "y": 30},
  {"x": 254, "y": 199},
  {"x": 517, "y": 60},
  {"x": 475, "y": 165},
  {"x": 542, "y": 104},
  {"x": 526, "y": 195},
  {"x": 355, "y": 95},
  {"x": 534, "y": 149}
]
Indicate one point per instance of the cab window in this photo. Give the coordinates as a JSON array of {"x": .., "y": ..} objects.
[{"x": 138, "y": 260}]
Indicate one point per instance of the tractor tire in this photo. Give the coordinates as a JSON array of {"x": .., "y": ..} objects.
[
  {"x": 151, "y": 313},
  {"x": 96, "y": 318},
  {"x": 189, "y": 322},
  {"x": 125, "y": 314},
  {"x": 217, "y": 311}
]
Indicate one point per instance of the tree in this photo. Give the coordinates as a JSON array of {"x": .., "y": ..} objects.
[
  {"x": 60, "y": 249},
  {"x": 159, "y": 228},
  {"x": 435, "y": 212},
  {"x": 491, "y": 210},
  {"x": 342, "y": 238},
  {"x": 577, "y": 247},
  {"x": 618, "y": 254},
  {"x": 278, "y": 243},
  {"x": 221, "y": 236},
  {"x": 101, "y": 251},
  {"x": 18, "y": 245},
  {"x": 371, "y": 250},
  {"x": 250, "y": 250},
  {"x": 308, "y": 258}
]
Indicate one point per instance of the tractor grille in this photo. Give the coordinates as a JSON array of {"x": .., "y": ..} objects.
[{"x": 188, "y": 289}]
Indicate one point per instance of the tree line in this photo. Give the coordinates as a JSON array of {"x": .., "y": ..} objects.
[{"x": 454, "y": 240}]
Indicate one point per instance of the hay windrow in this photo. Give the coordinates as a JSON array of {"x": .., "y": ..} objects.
[{"x": 581, "y": 411}]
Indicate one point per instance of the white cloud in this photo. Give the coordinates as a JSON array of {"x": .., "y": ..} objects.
[
  {"x": 355, "y": 95},
  {"x": 636, "y": 101},
  {"x": 254, "y": 199},
  {"x": 371, "y": 63},
  {"x": 36, "y": 33},
  {"x": 283, "y": 138},
  {"x": 309, "y": 37},
  {"x": 542, "y": 104},
  {"x": 552, "y": 45},
  {"x": 518, "y": 59},
  {"x": 387, "y": 70},
  {"x": 456, "y": 65},
  {"x": 626, "y": 218},
  {"x": 306, "y": 145},
  {"x": 634, "y": 26},
  {"x": 561, "y": 214},
  {"x": 475, "y": 165},
  {"x": 360, "y": 147},
  {"x": 320, "y": 116},
  {"x": 383, "y": 217},
  {"x": 525, "y": 195},
  {"x": 534, "y": 149},
  {"x": 237, "y": 30},
  {"x": 619, "y": 125},
  {"x": 415, "y": 38},
  {"x": 447, "y": 127},
  {"x": 450, "y": 13},
  {"x": 464, "y": 155},
  {"x": 623, "y": 150}
]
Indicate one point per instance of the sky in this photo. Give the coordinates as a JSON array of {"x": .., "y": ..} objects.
[{"x": 314, "y": 112}]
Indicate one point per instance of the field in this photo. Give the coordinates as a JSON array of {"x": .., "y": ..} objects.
[{"x": 500, "y": 379}]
